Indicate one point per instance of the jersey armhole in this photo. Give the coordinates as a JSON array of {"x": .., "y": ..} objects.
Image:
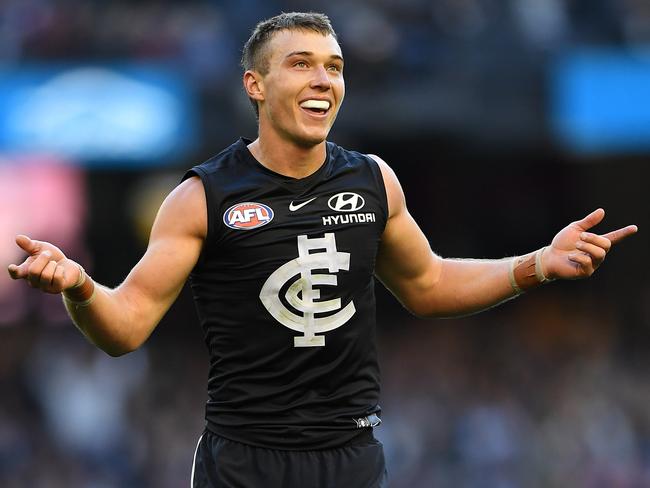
[
  {"x": 381, "y": 185},
  {"x": 209, "y": 203}
]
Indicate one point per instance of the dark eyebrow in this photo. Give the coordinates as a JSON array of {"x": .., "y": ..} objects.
[{"x": 310, "y": 53}]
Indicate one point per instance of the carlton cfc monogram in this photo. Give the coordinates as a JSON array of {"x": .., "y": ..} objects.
[{"x": 301, "y": 294}]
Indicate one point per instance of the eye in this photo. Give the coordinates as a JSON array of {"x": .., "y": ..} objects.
[
  {"x": 300, "y": 64},
  {"x": 334, "y": 67}
]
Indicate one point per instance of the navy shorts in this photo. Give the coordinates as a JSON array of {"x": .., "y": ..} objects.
[{"x": 222, "y": 463}]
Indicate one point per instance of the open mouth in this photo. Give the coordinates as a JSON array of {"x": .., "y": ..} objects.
[{"x": 316, "y": 107}]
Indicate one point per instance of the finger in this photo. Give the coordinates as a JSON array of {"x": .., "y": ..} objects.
[
  {"x": 27, "y": 244},
  {"x": 21, "y": 271},
  {"x": 59, "y": 279},
  {"x": 618, "y": 235},
  {"x": 47, "y": 275},
  {"x": 592, "y": 219},
  {"x": 583, "y": 261},
  {"x": 600, "y": 241},
  {"x": 596, "y": 253},
  {"x": 36, "y": 268},
  {"x": 15, "y": 272}
]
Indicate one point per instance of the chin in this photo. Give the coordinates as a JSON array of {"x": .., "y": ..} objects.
[
  {"x": 310, "y": 140},
  {"x": 313, "y": 141}
]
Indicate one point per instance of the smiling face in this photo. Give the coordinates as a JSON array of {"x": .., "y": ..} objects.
[{"x": 300, "y": 94}]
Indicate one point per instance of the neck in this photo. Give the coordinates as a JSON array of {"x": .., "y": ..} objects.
[{"x": 288, "y": 159}]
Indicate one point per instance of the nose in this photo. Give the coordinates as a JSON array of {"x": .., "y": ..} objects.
[{"x": 321, "y": 79}]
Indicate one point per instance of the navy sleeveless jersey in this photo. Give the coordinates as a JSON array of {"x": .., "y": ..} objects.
[{"x": 284, "y": 290}]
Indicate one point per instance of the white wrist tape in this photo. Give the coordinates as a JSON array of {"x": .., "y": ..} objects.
[
  {"x": 85, "y": 303},
  {"x": 80, "y": 282},
  {"x": 511, "y": 277},
  {"x": 525, "y": 272},
  {"x": 538, "y": 267},
  {"x": 82, "y": 277}
]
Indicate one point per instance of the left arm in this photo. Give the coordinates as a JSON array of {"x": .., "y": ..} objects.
[{"x": 430, "y": 286}]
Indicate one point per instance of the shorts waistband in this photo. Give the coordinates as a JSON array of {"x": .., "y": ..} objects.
[{"x": 360, "y": 436}]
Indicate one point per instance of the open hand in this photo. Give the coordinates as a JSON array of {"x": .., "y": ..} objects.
[
  {"x": 576, "y": 253},
  {"x": 46, "y": 267}
]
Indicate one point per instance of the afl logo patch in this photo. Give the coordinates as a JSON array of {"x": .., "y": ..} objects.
[
  {"x": 346, "y": 202},
  {"x": 248, "y": 215}
]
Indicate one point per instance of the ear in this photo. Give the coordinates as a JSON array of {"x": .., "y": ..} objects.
[{"x": 254, "y": 85}]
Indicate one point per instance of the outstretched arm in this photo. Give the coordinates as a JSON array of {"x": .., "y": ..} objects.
[
  {"x": 429, "y": 285},
  {"x": 119, "y": 320}
]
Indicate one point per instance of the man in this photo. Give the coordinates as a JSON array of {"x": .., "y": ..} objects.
[{"x": 282, "y": 237}]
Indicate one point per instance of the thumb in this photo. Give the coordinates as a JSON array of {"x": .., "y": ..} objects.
[
  {"x": 592, "y": 219},
  {"x": 26, "y": 244}
]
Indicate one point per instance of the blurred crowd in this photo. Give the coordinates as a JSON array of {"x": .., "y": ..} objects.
[
  {"x": 448, "y": 41},
  {"x": 449, "y": 64},
  {"x": 204, "y": 36},
  {"x": 533, "y": 396}
]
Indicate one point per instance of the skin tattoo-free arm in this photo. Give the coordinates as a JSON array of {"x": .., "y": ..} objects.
[
  {"x": 430, "y": 286},
  {"x": 119, "y": 320}
]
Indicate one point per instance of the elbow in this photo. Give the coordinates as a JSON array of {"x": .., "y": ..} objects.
[
  {"x": 417, "y": 312},
  {"x": 116, "y": 353},
  {"x": 428, "y": 314},
  {"x": 421, "y": 310},
  {"x": 422, "y": 315},
  {"x": 116, "y": 345},
  {"x": 116, "y": 350},
  {"x": 430, "y": 309},
  {"x": 443, "y": 313}
]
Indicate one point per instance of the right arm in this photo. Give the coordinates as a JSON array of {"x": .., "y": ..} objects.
[
  {"x": 120, "y": 320},
  {"x": 431, "y": 286}
]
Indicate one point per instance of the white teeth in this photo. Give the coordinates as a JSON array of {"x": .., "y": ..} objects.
[{"x": 317, "y": 104}]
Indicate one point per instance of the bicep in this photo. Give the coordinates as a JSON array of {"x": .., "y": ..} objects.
[
  {"x": 174, "y": 247},
  {"x": 406, "y": 265}
]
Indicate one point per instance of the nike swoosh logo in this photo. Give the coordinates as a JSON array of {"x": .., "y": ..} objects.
[{"x": 293, "y": 208}]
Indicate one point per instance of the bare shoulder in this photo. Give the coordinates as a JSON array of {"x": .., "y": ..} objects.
[
  {"x": 189, "y": 192},
  {"x": 394, "y": 192},
  {"x": 185, "y": 209}
]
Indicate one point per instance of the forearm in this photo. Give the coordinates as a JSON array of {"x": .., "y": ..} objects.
[
  {"x": 119, "y": 320},
  {"x": 469, "y": 286},
  {"x": 104, "y": 316}
]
